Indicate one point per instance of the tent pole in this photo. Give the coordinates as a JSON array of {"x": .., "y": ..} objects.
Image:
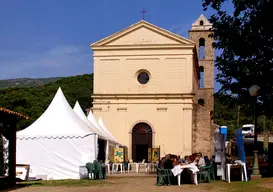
[
  {"x": 12, "y": 154},
  {"x": 96, "y": 140}
]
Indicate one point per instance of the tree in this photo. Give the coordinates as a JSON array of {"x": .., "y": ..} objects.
[
  {"x": 246, "y": 41},
  {"x": 34, "y": 100}
]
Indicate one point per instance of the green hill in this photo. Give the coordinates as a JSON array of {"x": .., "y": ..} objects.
[
  {"x": 33, "y": 101},
  {"x": 26, "y": 82}
]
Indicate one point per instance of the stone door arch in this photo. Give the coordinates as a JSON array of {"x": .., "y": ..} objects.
[{"x": 142, "y": 139}]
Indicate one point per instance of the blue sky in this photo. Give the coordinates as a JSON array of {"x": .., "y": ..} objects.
[{"x": 49, "y": 38}]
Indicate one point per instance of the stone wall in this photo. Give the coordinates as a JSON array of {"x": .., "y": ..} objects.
[
  {"x": 195, "y": 35},
  {"x": 202, "y": 132},
  {"x": 207, "y": 94}
]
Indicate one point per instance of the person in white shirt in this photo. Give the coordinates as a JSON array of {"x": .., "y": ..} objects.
[{"x": 201, "y": 160}]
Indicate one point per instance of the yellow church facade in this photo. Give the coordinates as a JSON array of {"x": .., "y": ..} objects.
[{"x": 146, "y": 83}]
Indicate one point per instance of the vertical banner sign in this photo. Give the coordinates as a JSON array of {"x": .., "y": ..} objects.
[
  {"x": 118, "y": 155},
  {"x": 149, "y": 155},
  {"x": 240, "y": 145},
  {"x": 155, "y": 154}
]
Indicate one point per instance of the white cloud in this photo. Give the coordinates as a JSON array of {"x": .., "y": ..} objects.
[
  {"x": 181, "y": 29},
  {"x": 57, "y": 61}
]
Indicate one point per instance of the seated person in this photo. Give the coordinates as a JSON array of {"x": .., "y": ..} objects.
[
  {"x": 206, "y": 158},
  {"x": 195, "y": 157},
  {"x": 179, "y": 160},
  {"x": 212, "y": 158},
  {"x": 175, "y": 161},
  {"x": 186, "y": 160},
  {"x": 200, "y": 161},
  {"x": 162, "y": 161},
  {"x": 169, "y": 163},
  {"x": 191, "y": 159}
]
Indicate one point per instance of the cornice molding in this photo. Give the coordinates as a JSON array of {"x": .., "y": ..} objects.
[
  {"x": 126, "y": 54},
  {"x": 151, "y": 102},
  {"x": 96, "y": 108},
  {"x": 142, "y": 47},
  {"x": 144, "y": 96}
]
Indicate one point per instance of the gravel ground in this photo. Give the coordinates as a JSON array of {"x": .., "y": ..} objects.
[{"x": 147, "y": 184}]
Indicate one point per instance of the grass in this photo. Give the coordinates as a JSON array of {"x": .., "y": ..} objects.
[
  {"x": 67, "y": 183},
  {"x": 237, "y": 186},
  {"x": 263, "y": 185},
  {"x": 58, "y": 183}
]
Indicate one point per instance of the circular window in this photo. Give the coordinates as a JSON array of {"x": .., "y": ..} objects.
[{"x": 143, "y": 78}]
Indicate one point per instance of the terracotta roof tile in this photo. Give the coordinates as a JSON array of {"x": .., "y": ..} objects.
[{"x": 13, "y": 113}]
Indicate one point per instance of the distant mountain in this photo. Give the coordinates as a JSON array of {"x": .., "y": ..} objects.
[{"x": 26, "y": 82}]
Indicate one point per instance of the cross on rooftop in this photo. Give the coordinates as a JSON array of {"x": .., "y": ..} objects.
[{"x": 143, "y": 13}]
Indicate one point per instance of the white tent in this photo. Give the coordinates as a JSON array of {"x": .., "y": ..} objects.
[
  {"x": 57, "y": 143},
  {"x": 101, "y": 123},
  {"x": 78, "y": 110},
  {"x": 92, "y": 119},
  {"x": 111, "y": 142}
]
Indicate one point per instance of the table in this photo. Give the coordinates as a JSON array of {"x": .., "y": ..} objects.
[
  {"x": 177, "y": 170},
  {"x": 243, "y": 170}
]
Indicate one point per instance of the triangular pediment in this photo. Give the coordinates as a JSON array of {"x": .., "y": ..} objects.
[{"x": 143, "y": 33}]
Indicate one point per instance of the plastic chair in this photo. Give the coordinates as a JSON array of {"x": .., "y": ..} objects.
[
  {"x": 212, "y": 170},
  {"x": 89, "y": 167},
  {"x": 145, "y": 165},
  {"x": 97, "y": 170},
  {"x": 204, "y": 173},
  {"x": 163, "y": 176}
]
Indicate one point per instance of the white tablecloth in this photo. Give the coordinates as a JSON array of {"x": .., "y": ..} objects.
[{"x": 179, "y": 168}]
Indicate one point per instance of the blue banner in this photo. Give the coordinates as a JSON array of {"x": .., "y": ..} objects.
[
  {"x": 223, "y": 130},
  {"x": 240, "y": 145}
]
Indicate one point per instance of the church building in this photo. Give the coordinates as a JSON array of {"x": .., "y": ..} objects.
[{"x": 154, "y": 88}]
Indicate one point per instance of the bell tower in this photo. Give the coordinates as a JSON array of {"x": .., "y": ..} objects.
[
  {"x": 203, "y": 129},
  {"x": 199, "y": 33}
]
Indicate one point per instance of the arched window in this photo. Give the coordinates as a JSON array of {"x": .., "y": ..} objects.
[
  {"x": 201, "y": 102},
  {"x": 201, "y": 81},
  {"x": 201, "y": 22},
  {"x": 142, "y": 128},
  {"x": 201, "y": 48}
]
